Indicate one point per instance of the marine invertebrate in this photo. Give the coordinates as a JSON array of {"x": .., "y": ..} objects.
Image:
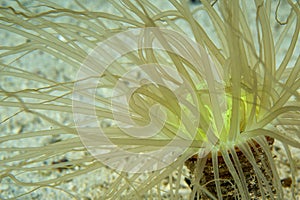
[{"x": 261, "y": 90}]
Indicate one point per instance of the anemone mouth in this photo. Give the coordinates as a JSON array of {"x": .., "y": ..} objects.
[{"x": 222, "y": 181}]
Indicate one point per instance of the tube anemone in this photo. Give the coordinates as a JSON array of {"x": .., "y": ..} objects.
[{"x": 173, "y": 103}]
